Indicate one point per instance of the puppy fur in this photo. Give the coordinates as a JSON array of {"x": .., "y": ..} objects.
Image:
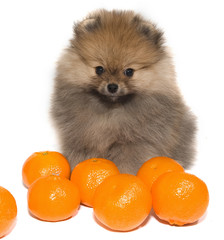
[{"x": 144, "y": 118}]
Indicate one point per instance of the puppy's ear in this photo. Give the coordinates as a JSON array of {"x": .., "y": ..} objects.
[
  {"x": 149, "y": 30},
  {"x": 87, "y": 25}
]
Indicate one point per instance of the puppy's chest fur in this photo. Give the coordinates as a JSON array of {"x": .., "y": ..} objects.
[
  {"x": 99, "y": 128},
  {"x": 96, "y": 126},
  {"x": 103, "y": 130}
]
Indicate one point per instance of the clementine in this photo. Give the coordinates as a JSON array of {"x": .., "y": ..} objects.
[
  {"x": 179, "y": 198},
  {"x": 89, "y": 174},
  {"x": 122, "y": 202},
  {"x": 154, "y": 167},
  {"x": 41, "y": 164},
  {"x": 8, "y": 212},
  {"x": 53, "y": 198}
]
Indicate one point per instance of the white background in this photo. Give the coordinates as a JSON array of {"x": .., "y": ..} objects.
[{"x": 32, "y": 35}]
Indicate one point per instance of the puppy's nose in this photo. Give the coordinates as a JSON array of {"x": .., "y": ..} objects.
[{"x": 112, "y": 87}]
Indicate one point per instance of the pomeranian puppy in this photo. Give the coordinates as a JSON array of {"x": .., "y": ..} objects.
[{"x": 116, "y": 96}]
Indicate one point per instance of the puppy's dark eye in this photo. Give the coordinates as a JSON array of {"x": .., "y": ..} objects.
[
  {"x": 129, "y": 72},
  {"x": 99, "y": 70}
]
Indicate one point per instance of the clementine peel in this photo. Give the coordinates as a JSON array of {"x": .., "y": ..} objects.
[
  {"x": 89, "y": 174},
  {"x": 179, "y": 198},
  {"x": 122, "y": 202},
  {"x": 53, "y": 198},
  {"x": 8, "y": 212},
  {"x": 154, "y": 167},
  {"x": 46, "y": 163}
]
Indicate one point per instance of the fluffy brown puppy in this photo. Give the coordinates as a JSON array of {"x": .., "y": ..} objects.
[{"x": 116, "y": 95}]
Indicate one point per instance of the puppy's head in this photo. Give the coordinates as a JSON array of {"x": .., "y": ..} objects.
[{"x": 115, "y": 54}]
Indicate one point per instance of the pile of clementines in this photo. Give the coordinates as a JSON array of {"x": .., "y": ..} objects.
[{"x": 120, "y": 202}]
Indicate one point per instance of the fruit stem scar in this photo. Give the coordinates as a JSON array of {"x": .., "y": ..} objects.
[{"x": 45, "y": 153}]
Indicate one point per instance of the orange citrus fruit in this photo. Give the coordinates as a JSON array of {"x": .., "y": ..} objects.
[
  {"x": 122, "y": 202},
  {"x": 154, "y": 167},
  {"x": 179, "y": 198},
  {"x": 53, "y": 198},
  {"x": 89, "y": 174},
  {"x": 8, "y": 212},
  {"x": 41, "y": 164}
]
